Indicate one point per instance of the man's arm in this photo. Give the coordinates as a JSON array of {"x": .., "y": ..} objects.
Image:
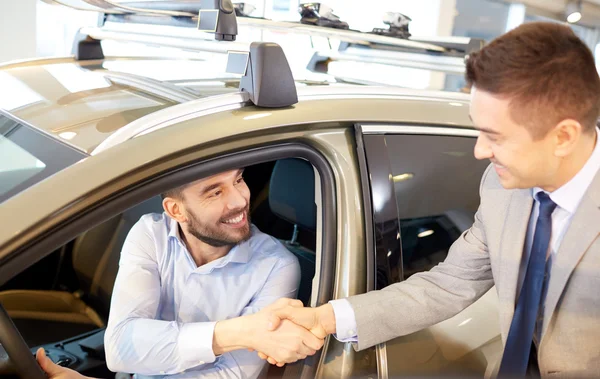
[
  {"x": 136, "y": 341},
  {"x": 282, "y": 282},
  {"x": 402, "y": 308}
]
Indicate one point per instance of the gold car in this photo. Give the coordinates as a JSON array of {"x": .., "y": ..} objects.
[{"x": 365, "y": 185}]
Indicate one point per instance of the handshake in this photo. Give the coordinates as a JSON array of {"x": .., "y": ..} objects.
[{"x": 285, "y": 331}]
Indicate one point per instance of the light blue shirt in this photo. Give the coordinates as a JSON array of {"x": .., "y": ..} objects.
[
  {"x": 164, "y": 308},
  {"x": 567, "y": 198}
]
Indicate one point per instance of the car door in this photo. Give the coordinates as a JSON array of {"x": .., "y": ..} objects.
[
  {"x": 424, "y": 183},
  {"x": 100, "y": 188}
]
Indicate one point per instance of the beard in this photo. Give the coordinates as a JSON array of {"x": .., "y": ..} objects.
[{"x": 217, "y": 235}]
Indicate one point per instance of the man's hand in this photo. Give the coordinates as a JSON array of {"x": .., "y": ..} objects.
[
  {"x": 319, "y": 321},
  {"x": 54, "y": 371},
  {"x": 285, "y": 342}
]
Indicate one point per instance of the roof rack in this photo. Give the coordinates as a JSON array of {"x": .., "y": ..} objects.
[{"x": 267, "y": 77}]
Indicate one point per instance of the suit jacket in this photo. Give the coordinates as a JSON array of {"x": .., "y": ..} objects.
[{"x": 488, "y": 254}]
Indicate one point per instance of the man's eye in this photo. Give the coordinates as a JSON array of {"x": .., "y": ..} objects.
[
  {"x": 239, "y": 180},
  {"x": 216, "y": 193}
]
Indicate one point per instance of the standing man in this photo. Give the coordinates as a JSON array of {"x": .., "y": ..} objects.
[{"x": 535, "y": 100}]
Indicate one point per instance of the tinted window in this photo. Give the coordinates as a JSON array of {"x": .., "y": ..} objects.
[
  {"x": 27, "y": 156},
  {"x": 436, "y": 184}
]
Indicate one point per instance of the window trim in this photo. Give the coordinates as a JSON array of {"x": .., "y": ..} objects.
[
  {"x": 415, "y": 129},
  {"x": 148, "y": 187},
  {"x": 120, "y": 200}
]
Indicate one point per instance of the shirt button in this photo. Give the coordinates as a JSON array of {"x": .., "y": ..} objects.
[
  {"x": 162, "y": 372},
  {"x": 351, "y": 333},
  {"x": 202, "y": 362}
]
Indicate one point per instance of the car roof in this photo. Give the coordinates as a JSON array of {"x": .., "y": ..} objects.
[{"x": 82, "y": 103}]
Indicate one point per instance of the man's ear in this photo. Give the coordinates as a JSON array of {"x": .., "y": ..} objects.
[
  {"x": 567, "y": 133},
  {"x": 175, "y": 209}
]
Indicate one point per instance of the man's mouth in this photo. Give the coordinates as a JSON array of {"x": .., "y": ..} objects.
[{"x": 236, "y": 220}]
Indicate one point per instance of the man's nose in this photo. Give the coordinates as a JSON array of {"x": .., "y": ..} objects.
[
  {"x": 236, "y": 199},
  {"x": 482, "y": 149}
]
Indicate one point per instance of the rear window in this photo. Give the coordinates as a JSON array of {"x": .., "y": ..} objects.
[{"x": 27, "y": 156}]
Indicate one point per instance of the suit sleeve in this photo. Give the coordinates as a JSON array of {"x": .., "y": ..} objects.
[{"x": 429, "y": 297}]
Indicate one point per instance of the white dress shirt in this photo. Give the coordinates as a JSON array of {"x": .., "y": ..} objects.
[
  {"x": 567, "y": 199},
  {"x": 164, "y": 308}
]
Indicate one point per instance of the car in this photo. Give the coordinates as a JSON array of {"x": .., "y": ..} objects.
[{"x": 366, "y": 185}]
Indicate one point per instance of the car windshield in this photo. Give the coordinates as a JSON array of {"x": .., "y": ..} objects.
[{"x": 27, "y": 156}]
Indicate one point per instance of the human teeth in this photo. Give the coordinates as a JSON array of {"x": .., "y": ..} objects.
[{"x": 235, "y": 220}]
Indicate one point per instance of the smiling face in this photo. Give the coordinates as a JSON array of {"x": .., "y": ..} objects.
[
  {"x": 519, "y": 160},
  {"x": 214, "y": 210},
  {"x": 536, "y": 101}
]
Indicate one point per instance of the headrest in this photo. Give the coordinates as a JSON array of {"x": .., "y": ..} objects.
[{"x": 292, "y": 192}]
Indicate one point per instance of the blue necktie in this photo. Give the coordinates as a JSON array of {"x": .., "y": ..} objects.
[{"x": 518, "y": 344}]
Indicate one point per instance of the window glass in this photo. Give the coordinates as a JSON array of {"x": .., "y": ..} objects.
[
  {"x": 16, "y": 165},
  {"x": 28, "y": 156},
  {"x": 436, "y": 183}
]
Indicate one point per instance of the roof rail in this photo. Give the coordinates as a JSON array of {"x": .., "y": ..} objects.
[{"x": 212, "y": 16}]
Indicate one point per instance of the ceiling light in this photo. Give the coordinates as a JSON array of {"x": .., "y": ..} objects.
[
  {"x": 403, "y": 177},
  {"x": 425, "y": 233},
  {"x": 573, "y": 11}
]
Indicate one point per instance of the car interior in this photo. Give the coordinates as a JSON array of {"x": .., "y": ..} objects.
[{"x": 62, "y": 302}]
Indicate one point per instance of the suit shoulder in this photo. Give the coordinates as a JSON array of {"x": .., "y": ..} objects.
[{"x": 490, "y": 179}]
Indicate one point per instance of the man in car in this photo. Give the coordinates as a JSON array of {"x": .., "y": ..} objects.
[
  {"x": 536, "y": 100},
  {"x": 191, "y": 284}
]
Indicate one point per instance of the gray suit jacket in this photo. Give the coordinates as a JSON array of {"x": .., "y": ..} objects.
[{"x": 488, "y": 254}]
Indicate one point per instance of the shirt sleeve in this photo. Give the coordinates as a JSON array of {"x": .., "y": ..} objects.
[
  {"x": 283, "y": 281},
  {"x": 135, "y": 341},
  {"x": 345, "y": 321}
]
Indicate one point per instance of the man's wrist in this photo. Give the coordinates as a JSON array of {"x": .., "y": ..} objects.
[
  {"x": 231, "y": 335},
  {"x": 327, "y": 318}
]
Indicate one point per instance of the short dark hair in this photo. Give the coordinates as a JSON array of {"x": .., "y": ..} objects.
[
  {"x": 174, "y": 193},
  {"x": 548, "y": 73}
]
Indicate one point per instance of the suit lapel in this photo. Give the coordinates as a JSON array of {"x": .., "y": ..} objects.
[
  {"x": 511, "y": 251},
  {"x": 583, "y": 230}
]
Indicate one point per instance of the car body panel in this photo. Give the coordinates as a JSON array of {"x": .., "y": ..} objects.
[
  {"x": 137, "y": 130},
  {"x": 129, "y": 156},
  {"x": 78, "y": 105}
]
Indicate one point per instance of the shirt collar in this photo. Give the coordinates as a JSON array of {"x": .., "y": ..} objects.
[
  {"x": 240, "y": 253},
  {"x": 570, "y": 194}
]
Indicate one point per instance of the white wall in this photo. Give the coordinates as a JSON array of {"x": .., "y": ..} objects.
[{"x": 17, "y": 29}]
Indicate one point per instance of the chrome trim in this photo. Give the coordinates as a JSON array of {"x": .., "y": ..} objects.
[
  {"x": 382, "y": 91},
  {"x": 214, "y": 104},
  {"x": 453, "y": 65},
  {"x": 86, "y": 7},
  {"x": 184, "y": 38},
  {"x": 172, "y": 115},
  {"x": 382, "y": 361},
  {"x": 338, "y": 34},
  {"x": 155, "y": 87},
  {"x": 406, "y": 129}
]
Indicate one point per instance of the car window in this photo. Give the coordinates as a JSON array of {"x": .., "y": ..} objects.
[
  {"x": 27, "y": 156},
  {"x": 436, "y": 184}
]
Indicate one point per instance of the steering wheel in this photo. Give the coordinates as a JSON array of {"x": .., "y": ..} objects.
[{"x": 17, "y": 350}]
